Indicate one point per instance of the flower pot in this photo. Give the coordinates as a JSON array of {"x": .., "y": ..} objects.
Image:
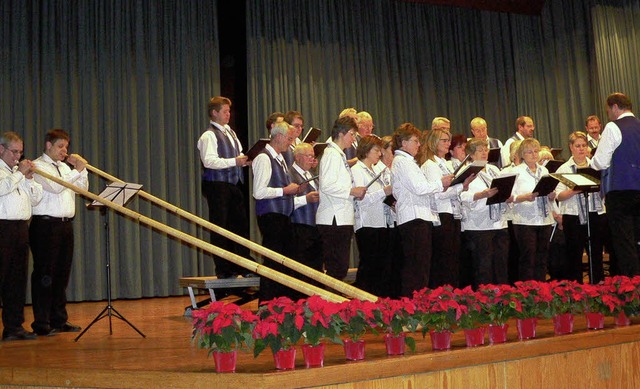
[
  {"x": 595, "y": 320},
  {"x": 313, "y": 355},
  {"x": 498, "y": 333},
  {"x": 526, "y": 328},
  {"x": 354, "y": 351},
  {"x": 394, "y": 343},
  {"x": 440, "y": 340},
  {"x": 474, "y": 336},
  {"x": 285, "y": 359},
  {"x": 563, "y": 323},
  {"x": 225, "y": 362},
  {"x": 622, "y": 320}
]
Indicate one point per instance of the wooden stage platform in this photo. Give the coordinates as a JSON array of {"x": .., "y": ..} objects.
[{"x": 167, "y": 359}]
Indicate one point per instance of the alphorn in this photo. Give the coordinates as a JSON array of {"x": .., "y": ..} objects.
[
  {"x": 321, "y": 277},
  {"x": 264, "y": 271}
]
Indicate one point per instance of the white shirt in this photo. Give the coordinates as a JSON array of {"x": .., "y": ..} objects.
[
  {"x": 477, "y": 215},
  {"x": 447, "y": 201},
  {"x": 335, "y": 188},
  {"x": 208, "y": 146},
  {"x": 530, "y": 213},
  {"x": 370, "y": 211},
  {"x": 505, "y": 151},
  {"x": 261, "y": 167},
  {"x": 574, "y": 204},
  {"x": 609, "y": 141},
  {"x": 412, "y": 190},
  {"x": 17, "y": 194},
  {"x": 58, "y": 201}
]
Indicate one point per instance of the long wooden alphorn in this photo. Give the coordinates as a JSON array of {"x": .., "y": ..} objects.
[
  {"x": 264, "y": 271},
  {"x": 321, "y": 277}
]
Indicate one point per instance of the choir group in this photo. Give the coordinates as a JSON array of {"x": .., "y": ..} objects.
[{"x": 416, "y": 223}]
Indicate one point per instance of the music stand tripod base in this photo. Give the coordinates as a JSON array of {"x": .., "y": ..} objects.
[{"x": 119, "y": 193}]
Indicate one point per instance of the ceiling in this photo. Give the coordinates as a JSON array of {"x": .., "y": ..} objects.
[{"x": 527, "y": 7}]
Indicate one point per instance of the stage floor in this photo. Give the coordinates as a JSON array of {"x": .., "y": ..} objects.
[{"x": 166, "y": 357}]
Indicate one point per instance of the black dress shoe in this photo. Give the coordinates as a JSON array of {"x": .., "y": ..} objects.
[
  {"x": 68, "y": 327},
  {"x": 20, "y": 334}
]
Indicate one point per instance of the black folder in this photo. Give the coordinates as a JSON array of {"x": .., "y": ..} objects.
[
  {"x": 318, "y": 149},
  {"x": 494, "y": 155},
  {"x": 468, "y": 170},
  {"x": 505, "y": 187},
  {"x": 390, "y": 200},
  {"x": 555, "y": 152},
  {"x": 312, "y": 135},
  {"x": 552, "y": 165},
  {"x": 587, "y": 171},
  {"x": 257, "y": 148},
  {"x": 546, "y": 185}
]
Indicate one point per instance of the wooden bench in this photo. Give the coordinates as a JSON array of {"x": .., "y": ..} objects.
[{"x": 212, "y": 282}]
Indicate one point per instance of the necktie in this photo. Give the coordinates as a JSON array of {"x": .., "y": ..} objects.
[
  {"x": 57, "y": 168},
  {"x": 11, "y": 172}
]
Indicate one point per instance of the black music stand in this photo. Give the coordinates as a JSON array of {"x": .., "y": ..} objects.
[{"x": 121, "y": 194}]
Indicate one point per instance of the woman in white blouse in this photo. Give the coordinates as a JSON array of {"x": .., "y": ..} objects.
[
  {"x": 413, "y": 208},
  {"x": 371, "y": 230},
  {"x": 574, "y": 217},
  {"x": 485, "y": 226},
  {"x": 445, "y": 240},
  {"x": 532, "y": 215}
]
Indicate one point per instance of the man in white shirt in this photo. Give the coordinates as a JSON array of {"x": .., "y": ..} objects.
[
  {"x": 18, "y": 192},
  {"x": 51, "y": 234},
  {"x": 593, "y": 126},
  {"x": 222, "y": 180},
  {"x": 274, "y": 194},
  {"x": 479, "y": 130},
  {"x": 524, "y": 130},
  {"x": 335, "y": 217}
]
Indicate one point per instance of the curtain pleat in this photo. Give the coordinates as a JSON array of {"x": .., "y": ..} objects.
[{"x": 129, "y": 80}]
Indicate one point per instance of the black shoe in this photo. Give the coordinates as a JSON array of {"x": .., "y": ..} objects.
[
  {"x": 44, "y": 331},
  {"x": 67, "y": 327},
  {"x": 20, "y": 334}
]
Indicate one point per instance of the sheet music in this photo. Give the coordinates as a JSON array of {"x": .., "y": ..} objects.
[{"x": 579, "y": 179}]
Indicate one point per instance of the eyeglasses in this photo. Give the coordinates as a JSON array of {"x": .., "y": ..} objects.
[
  {"x": 308, "y": 155},
  {"x": 532, "y": 152},
  {"x": 352, "y": 133},
  {"x": 14, "y": 152},
  {"x": 297, "y": 125},
  {"x": 445, "y": 140}
]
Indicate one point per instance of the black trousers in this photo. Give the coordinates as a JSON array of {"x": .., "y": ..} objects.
[
  {"x": 623, "y": 210},
  {"x": 533, "y": 243},
  {"x": 445, "y": 257},
  {"x": 576, "y": 241},
  {"x": 276, "y": 233},
  {"x": 489, "y": 252},
  {"x": 514, "y": 254},
  {"x": 415, "y": 237},
  {"x": 336, "y": 244},
  {"x": 374, "y": 267},
  {"x": 14, "y": 257},
  {"x": 227, "y": 210},
  {"x": 307, "y": 249},
  {"x": 52, "y": 249}
]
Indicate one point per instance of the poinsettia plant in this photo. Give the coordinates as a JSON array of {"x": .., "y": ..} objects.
[
  {"x": 566, "y": 297},
  {"x": 393, "y": 316},
  {"x": 318, "y": 320},
  {"x": 280, "y": 326},
  {"x": 601, "y": 298},
  {"x": 474, "y": 303},
  {"x": 500, "y": 304},
  {"x": 533, "y": 297},
  {"x": 437, "y": 309},
  {"x": 223, "y": 327},
  {"x": 356, "y": 317},
  {"x": 627, "y": 289}
]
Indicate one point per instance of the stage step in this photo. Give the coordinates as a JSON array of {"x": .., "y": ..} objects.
[{"x": 212, "y": 282}]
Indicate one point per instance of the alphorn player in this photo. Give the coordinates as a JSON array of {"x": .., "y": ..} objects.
[
  {"x": 18, "y": 192},
  {"x": 51, "y": 234}
]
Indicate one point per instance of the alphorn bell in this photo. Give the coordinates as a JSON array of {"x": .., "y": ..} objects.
[
  {"x": 314, "y": 274},
  {"x": 264, "y": 271}
]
